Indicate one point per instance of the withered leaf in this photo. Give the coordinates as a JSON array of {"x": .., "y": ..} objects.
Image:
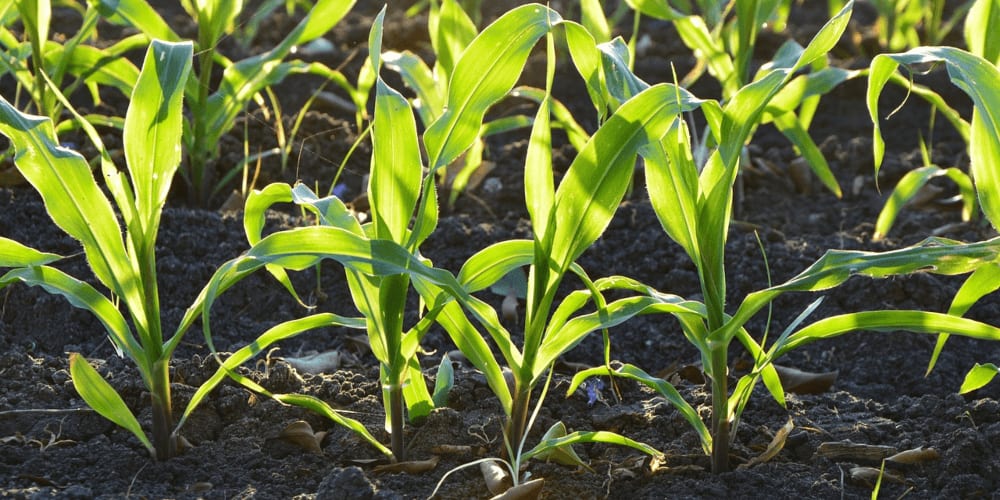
[
  {"x": 301, "y": 434},
  {"x": 800, "y": 382},
  {"x": 411, "y": 467},
  {"x": 775, "y": 447},
  {"x": 528, "y": 490},
  {"x": 915, "y": 456}
]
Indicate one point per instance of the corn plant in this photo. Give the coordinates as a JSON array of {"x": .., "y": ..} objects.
[
  {"x": 723, "y": 35},
  {"x": 694, "y": 210},
  {"x": 984, "y": 17},
  {"x": 399, "y": 191},
  {"x": 451, "y": 31},
  {"x": 566, "y": 221},
  {"x": 213, "y": 113},
  {"x": 979, "y": 78},
  {"x": 127, "y": 267},
  {"x": 37, "y": 63},
  {"x": 903, "y": 24},
  {"x": 382, "y": 256}
]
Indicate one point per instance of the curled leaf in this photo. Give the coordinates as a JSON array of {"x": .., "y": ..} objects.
[
  {"x": 497, "y": 477},
  {"x": 775, "y": 447},
  {"x": 525, "y": 491},
  {"x": 411, "y": 467},
  {"x": 800, "y": 382},
  {"x": 301, "y": 434},
  {"x": 914, "y": 456}
]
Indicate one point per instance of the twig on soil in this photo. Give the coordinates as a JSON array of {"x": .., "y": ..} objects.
[{"x": 46, "y": 411}]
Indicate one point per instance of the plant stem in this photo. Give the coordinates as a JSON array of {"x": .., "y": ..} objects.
[
  {"x": 720, "y": 411},
  {"x": 163, "y": 421},
  {"x": 396, "y": 421},
  {"x": 517, "y": 422}
]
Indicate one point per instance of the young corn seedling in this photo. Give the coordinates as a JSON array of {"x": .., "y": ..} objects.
[
  {"x": 451, "y": 31},
  {"x": 37, "y": 63},
  {"x": 984, "y": 17},
  {"x": 566, "y": 221},
  {"x": 213, "y": 113},
  {"x": 904, "y": 24},
  {"x": 127, "y": 267},
  {"x": 693, "y": 207},
  {"x": 404, "y": 208},
  {"x": 724, "y": 35},
  {"x": 979, "y": 78}
]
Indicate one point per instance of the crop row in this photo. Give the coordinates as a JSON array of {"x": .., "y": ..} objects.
[{"x": 690, "y": 176}]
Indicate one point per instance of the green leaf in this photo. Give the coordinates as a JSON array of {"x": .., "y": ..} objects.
[
  {"x": 792, "y": 128},
  {"x": 397, "y": 169},
  {"x": 14, "y": 254},
  {"x": 661, "y": 386},
  {"x": 913, "y": 321},
  {"x": 73, "y": 199},
  {"x": 419, "y": 78},
  {"x": 550, "y": 445},
  {"x": 982, "y": 20},
  {"x": 274, "y": 334},
  {"x": 979, "y": 79},
  {"x": 451, "y": 31},
  {"x": 559, "y": 339},
  {"x": 592, "y": 17},
  {"x": 564, "y": 454},
  {"x": 908, "y": 187},
  {"x": 137, "y": 13},
  {"x": 539, "y": 186},
  {"x": 100, "y": 396},
  {"x": 97, "y": 66},
  {"x": 587, "y": 60},
  {"x": 80, "y": 294},
  {"x": 978, "y": 376},
  {"x": 443, "y": 383},
  {"x": 600, "y": 174},
  {"x": 983, "y": 281},
  {"x": 152, "y": 135},
  {"x": 672, "y": 181},
  {"x": 504, "y": 46}
]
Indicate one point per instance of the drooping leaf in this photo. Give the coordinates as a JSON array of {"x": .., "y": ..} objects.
[{"x": 100, "y": 396}]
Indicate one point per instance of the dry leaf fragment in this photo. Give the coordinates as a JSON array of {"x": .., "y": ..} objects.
[
  {"x": 848, "y": 451},
  {"x": 801, "y": 175},
  {"x": 496, "y": 476},
  {"x": 528, "y": 490},
  {"x": 914, "y": 456},
  {"x": 313, "y": 364},
  {"x": 800, "y": 382},
  {"x": 300, "y": 433},
  {"x": 411, "y": 467},
  {"x": 777, "y": 443},
  {"x": 869, "y": 476}
]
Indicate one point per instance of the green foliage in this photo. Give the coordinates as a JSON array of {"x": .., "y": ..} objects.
[
  {"x": 984, "y": 16},
  {"x": 724, "y": 34},
  {"x": 44, "y": 68},
  {"x": 152, "y": 136},
  {"x": 980, "y": 79},
  {"x": 904, "y": 24},
  {"x": 693, "y": 206},
  {"x": 453, "y": 32},
  {"x": 214, "y": 112}
]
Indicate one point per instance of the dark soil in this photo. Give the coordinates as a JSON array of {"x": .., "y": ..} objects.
[{"x": 52, "y": 446}]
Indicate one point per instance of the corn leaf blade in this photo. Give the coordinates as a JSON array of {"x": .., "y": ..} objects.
[{"x": 103, "y": 398}]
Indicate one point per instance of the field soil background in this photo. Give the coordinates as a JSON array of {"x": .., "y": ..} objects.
[{"x": 51, "y": 446}]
